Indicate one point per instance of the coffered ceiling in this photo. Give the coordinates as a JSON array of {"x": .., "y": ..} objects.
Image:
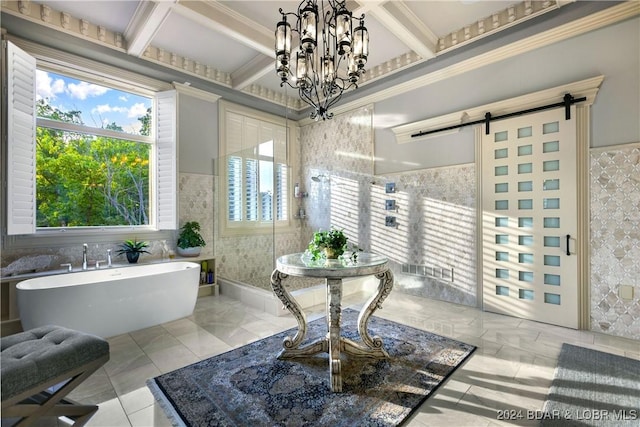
[{"x": 230, "y": 43}]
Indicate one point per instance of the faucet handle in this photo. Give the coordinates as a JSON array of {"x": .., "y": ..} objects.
[{"x": 69, "y": 267}]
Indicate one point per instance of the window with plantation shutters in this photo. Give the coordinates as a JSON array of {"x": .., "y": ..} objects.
[
  {"x": 254, "y": 158},
  {"x": 69, "y": 170}
]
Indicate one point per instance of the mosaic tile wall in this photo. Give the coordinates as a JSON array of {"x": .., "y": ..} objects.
[
  {"x": 435, "y": 208},
  {"x": 615, "y": 240},
  {"x": 196, "y": 203},
  {"x": 250, "y": 259}
]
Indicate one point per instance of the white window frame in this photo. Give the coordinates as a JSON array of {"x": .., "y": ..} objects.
[
  {"x": 163, "y": 183},
  {"x": 255, "y": 117}
]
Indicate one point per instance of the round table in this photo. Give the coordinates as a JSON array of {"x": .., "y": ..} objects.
[{"x": 333, "y": 271}]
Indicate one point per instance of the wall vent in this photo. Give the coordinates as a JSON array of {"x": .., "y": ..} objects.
[{"x": 441, "y": 273}]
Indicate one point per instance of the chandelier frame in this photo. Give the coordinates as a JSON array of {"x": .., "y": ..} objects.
[{"x": 318, "y": 76}]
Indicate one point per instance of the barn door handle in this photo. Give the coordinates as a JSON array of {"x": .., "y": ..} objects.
[{"x": 568, "y": 239}]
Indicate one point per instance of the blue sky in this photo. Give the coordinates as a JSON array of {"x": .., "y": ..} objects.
[{"x": 99, "y": 105}]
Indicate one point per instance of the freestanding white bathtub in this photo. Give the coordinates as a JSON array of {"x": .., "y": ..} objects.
[{"x": 110, "y": 301}]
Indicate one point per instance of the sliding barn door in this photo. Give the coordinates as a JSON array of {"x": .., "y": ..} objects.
[{"x": 529, "y": 218}]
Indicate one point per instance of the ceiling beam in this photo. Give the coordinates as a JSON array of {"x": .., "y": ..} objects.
[
  {"x": 403, "y": 23},
  {"x": 216, "y": 16},
  {"x": 145, "y": 23},
  {"x": 251, "y": 71}
]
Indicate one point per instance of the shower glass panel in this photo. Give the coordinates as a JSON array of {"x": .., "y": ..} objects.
[{"x": 249, "y": 188}]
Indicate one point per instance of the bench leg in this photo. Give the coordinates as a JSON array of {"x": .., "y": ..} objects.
[{"x": 47, "y": 404}]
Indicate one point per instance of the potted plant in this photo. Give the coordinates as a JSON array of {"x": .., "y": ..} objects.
[
  {"x": 132, "y": 249},
  {"x": 190, "y": 241},
  {"x": 329, "y": 245}
]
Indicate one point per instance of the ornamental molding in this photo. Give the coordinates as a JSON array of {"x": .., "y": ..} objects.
[
  {"x": 575, "y": 28},
  {"x": 61, "y": 21},
  {"x": 56, "y": 60},
  {"x": 43, "y": 14},
  {"x": 512, "y": 15},
  {"x": 187, "y": 89}
]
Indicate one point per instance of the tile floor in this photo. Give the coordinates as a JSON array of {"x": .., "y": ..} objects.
[{"x": 511, "y": 369}]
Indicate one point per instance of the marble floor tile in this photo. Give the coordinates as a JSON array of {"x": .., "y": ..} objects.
[
  {"x": 511, "y": 369},
  {"x": 203, "y": 344}
]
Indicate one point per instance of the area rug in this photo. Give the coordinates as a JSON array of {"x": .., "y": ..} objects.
[
  {"x": 593, "y": 388},
  {"x": 249, "y": 386}
]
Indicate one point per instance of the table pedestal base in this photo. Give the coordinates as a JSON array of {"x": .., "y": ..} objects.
[{"x": 334, "y": 343}]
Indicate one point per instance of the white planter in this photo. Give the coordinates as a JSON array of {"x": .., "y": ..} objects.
[{"x": 189, "y": 251}]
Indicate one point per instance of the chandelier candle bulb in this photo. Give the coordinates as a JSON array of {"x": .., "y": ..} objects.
[{"x": 309, "y": 17}]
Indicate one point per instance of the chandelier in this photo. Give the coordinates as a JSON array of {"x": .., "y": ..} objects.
[{"x": 327, "y": 41}]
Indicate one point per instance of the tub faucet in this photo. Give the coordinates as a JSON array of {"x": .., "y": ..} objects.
[{"x": 84, "y": 256}]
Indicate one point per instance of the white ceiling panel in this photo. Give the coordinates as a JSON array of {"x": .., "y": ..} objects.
[
  {"x": 383, "y": 44},
  {"x": 198, "y": 43}
]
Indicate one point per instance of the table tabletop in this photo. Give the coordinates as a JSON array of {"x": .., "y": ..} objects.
[{"x": 300, "y": 264}]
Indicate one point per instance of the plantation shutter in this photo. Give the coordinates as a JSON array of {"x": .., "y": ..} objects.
[
  {"x": 233, "y": 143},
  {"x": 250, "y": 140},
  {"x": 21, "y": 133},
  {"x": 166, "y": 161},
  {"x": 234, "y": 184},
  {"x": 251, "y": 185}
]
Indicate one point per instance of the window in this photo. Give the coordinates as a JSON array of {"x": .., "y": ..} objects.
[
  {"x": 93, "y": 146},
  {"x": 87, "y": 155},
  {"x": 255, "y": 163},
  {"x": 257, "y": 185}
]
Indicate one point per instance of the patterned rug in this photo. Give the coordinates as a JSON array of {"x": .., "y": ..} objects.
[{"x": 249, "y": 386}]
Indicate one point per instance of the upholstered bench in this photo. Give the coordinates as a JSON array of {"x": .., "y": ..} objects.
[{"x": 39, "y": 367}]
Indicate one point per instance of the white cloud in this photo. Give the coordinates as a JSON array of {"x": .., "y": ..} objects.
[
  {"x": 137, "y": 110},
  {"x": 106, "y": 108},
  {"x": 46, "y": 87},
  {"x": 83, "y": 90},
  {"x": 133, "y": 127}
]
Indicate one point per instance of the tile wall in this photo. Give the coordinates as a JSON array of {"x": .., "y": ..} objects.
[
  {"x": 435, "y": 209},
  {"x": 615, "y": 240},
  {"x": 196, "y": 201}
]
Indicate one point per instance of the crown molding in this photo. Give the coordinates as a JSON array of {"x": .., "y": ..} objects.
[
  {"x": 42, "y": 14},
  {"x": 506, "y": 18},
  {"x": 580, "y": 26},
  {"x": 60, "y": 21},
  {"x": 186, "y": 89},
  {"x": 585, "y": 88},
  {"x": 56, "y": 60}
]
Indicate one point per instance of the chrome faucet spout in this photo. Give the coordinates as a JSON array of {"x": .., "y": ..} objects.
[{"x": 84, "y": 256}]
